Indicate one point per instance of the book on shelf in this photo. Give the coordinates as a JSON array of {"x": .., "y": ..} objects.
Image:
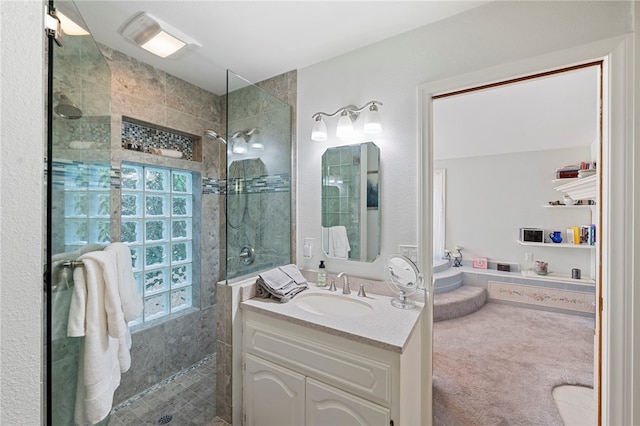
[
  {"x": 575, "y": 170},
  {"x": 583, "y": 234}
]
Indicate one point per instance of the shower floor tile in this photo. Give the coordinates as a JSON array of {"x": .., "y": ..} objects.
[{"x": 186, "y": 399}]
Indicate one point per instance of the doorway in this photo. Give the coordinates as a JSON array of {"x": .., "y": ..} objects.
[{"x": 468, "y": 229}]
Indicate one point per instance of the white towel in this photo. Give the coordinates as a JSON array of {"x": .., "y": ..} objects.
[
  {"x": 62, "y": 288},
  {"x": 127, "y": 286},
  {"x": 104, "y": 298},
  {"x": 339, "y": 242},
  {"x": 96, "y": 314}
]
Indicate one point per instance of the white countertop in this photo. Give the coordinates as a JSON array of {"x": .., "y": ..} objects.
[{"x": 386, "y": 327}]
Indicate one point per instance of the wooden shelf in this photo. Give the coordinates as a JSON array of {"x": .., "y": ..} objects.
[
  {"x": 580, "y": 189},
  {"x": 557, "y": 245}
]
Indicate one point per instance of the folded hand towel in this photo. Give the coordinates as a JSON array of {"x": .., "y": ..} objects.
[
  {"x": 276, "y": 279},
  {"x": 295, "y": 274},
  {"x": 279, "y": 285}
]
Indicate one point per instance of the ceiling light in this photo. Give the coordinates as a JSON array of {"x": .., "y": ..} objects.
[
  {"x": 163, "y": 44},
  {"x": 348, "y": 115},
  {"x": 156, "y": 36}
]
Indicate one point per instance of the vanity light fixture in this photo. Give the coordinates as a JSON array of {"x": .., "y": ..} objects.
[
  {"x": 348, "y": 115},
  {"x": 241, "y": 141},
  {"x": 156, "y": 36}
]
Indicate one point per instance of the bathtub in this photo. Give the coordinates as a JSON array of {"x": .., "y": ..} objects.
[{"x": 445, "y": 277}]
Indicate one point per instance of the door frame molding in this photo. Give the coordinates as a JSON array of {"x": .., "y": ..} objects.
[{"x": 617, "y": 318}]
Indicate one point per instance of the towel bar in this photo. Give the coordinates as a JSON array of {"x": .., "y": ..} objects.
[{"x": 71, "y": 263}]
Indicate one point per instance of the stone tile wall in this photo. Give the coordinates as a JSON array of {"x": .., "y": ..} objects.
[{"x": 149, "y": 95}]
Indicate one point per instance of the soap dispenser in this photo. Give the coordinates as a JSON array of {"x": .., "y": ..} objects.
[{"x": 322, "y": 275}]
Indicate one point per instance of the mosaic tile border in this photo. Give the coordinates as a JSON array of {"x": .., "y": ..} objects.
[
  {"x": 539, "y": 296},
  {"x": 256, "y": 185}
]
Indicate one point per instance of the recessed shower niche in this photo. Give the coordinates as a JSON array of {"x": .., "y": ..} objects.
[{"x": 138, "y": 135}]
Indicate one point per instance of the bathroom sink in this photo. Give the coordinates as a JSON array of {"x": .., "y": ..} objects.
[{"x": 332, "y": 305}]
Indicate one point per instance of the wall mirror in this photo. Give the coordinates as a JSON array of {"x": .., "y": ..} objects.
[{"x": 351, "y": 202}]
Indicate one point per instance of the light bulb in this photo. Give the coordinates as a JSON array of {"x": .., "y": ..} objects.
[
  {"x": 319, "y": 130},
  {"x": 372, "y": 124},
  {"x": 239, "y": 148},
  {"x": 345, "y": 126}
]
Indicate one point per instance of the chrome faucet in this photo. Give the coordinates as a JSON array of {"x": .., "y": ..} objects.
[{"x": 345, "y": 283}]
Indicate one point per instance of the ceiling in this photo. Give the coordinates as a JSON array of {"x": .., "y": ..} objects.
[
  {"x": 261, "y": 39},
  {"x": 554, "y": 112}
]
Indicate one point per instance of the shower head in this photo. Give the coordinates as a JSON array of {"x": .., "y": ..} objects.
[
  {"x": 66, "y": 108},
  {"x": 213, "y": 135}
]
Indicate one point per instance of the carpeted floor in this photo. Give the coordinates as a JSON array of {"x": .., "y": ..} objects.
[{"x": 499, "y": 365}]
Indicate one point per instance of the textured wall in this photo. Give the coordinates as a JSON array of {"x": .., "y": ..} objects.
[{"x": 21, "y": 212}]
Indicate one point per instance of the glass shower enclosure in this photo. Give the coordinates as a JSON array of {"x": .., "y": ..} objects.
[
  {"x": 78, "y": 195},
  {"x": 259, "y": 159}
]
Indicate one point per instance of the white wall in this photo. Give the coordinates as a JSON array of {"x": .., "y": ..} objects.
[
  {"x": 22, "y": 129},
  {"x": 494, "y": 35},
  {"x": 490, "y": 197},
  {"x": 391, "y": 70}
]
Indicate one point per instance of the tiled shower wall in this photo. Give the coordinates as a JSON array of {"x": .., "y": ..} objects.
[{"x": 144, "y": 93}]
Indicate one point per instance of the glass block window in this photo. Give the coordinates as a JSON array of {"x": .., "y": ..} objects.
[
  {"x": 87, "y": 204},
  {"x": 157, "y": 224}
]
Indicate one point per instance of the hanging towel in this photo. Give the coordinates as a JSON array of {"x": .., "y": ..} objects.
[
  {"x": 105, "y": 297},
  {"x": 277, "y": 284},
  {"x": 339, "y": 242},
  {"x": 62, "y": 288},
  {"x": 96, "y": 314},
  {"x": 127, "y": 285}
]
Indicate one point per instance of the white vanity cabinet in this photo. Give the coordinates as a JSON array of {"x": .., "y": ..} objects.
[
  {"x": 298, "y": 375},
  {"x": 273, "y": 395}
]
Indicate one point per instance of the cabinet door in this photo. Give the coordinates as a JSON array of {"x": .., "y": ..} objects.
[
  {"x": 273, "y": 395},
  {"x": 327, "y": 405}
]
